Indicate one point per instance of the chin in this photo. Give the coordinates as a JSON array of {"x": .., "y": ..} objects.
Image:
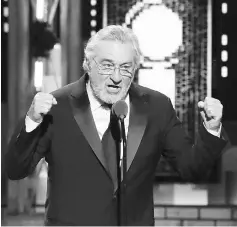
[{"x": 111, "y": 99}]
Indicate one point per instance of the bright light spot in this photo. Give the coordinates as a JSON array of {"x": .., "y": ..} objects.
[
  {"x": 93, "y": 23},
  {"x": 224, "y": 8},
  {"x": 6, "y": 27},
  {"x": 39, "y": 73},
  {"x": 224, "y": 55},
  {"x": 57, "y": 46},
  {"x": 40, "y": 9},
  {"x": 5, "y": 11},
  {"x": 224, "y": 71},
  {"x": 224, "y": 40},
  {"x": 159, "y": 39},
  {"x": 93, "y": 32},
  {"x": 93, "y": 12},
  {"x": 152, "y": 1},
  {"x": 93, "y": 2}
]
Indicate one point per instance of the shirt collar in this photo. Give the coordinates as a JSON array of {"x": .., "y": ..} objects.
[{"x": 94, "y": 102}]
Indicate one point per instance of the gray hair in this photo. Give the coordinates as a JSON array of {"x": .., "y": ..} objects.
[{"x": 114, "y": 33}]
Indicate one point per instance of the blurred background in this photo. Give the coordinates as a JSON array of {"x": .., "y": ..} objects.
[{"x": 189, "y": 52}]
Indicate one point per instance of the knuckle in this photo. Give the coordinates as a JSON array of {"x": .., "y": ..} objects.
[
  {"x": 50, "y": 96},
  {"x": 49, "y": 105}
]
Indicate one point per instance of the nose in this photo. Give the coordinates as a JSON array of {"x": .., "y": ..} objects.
[{"x": 116, "y": 76}]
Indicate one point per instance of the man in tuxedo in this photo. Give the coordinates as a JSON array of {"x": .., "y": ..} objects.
[{"x": 68, "y": 126}]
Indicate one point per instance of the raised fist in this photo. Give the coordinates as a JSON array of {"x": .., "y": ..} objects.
[
  {"x": 40, "y": 106},
  {"x": 211, "y": 112}
]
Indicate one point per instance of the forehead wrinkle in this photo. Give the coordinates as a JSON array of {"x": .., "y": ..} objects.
[{"x": 115, "y": 51}]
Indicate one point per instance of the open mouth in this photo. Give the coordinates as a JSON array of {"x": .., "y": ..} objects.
[{"x": 113, "y": 88}]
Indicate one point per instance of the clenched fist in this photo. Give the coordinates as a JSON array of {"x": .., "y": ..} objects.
[
  {"x": 211, "y": 112},
  {"x": 41, "y": 105}
]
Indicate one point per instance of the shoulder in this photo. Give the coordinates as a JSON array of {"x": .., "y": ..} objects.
[
  {"x": 152, "y": 95},
  {"x": 157, "y": 103}
]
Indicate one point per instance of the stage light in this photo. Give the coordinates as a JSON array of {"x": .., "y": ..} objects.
[
  {"x": 224, "y": 40},
  {"x": 39, "y": 74},
  {"x": 161, "y": 42},
  {"x": 6, "y": 27},
  {"x": 224, "y": 8},
  {"x": 93, "y": 32},
  {"x": 224, "y": 71},
  {"x": 93, "y": 12},
  {"x": 57, "y": 46},
  {"x": 40, "y": 9},
  {"x": 224, "y": 55},
  {"x": 5, "y": 11},
  {"x": 93, "y": 2},
  {"x": 93, "y": 23}
]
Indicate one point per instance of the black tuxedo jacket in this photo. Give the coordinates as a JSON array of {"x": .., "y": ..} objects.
[{"x": 80, "y": 190}]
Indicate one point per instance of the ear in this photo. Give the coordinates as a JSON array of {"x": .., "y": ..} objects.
[{"x": 86, "y": 65}]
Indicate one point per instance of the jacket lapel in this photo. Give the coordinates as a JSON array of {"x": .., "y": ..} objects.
[
  {"x": 137, "y": 123},
  {"x": 84, "y": 118}
]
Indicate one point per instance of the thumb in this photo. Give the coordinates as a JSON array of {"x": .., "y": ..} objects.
[
  {"x": 201, "y": 104},
  {"x": 54, "y": 101}
]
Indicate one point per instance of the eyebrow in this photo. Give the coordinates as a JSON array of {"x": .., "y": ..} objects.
[{"x": 109, "y": 60}]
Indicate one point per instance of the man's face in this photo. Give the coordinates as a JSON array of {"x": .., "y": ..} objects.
[{"x": 110, "y": 85}]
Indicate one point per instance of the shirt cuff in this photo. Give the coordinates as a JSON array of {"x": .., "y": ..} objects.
[
  {"x": 213, "y": 132},
  {"x": 30, "y": 124}
]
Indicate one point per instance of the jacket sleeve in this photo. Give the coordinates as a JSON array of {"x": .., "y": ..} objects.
[
  {"x": 194, "y": 162},
  {"x": 26, "y": 149}
]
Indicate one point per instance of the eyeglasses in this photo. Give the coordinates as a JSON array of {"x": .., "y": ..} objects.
[{"x": 109, "y": 69}]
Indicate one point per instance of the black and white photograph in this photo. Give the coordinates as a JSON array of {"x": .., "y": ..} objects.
[{"x": 118, "y": 113}]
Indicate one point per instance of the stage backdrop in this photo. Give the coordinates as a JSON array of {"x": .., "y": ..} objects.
[{"x": 175, "y": 39}]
